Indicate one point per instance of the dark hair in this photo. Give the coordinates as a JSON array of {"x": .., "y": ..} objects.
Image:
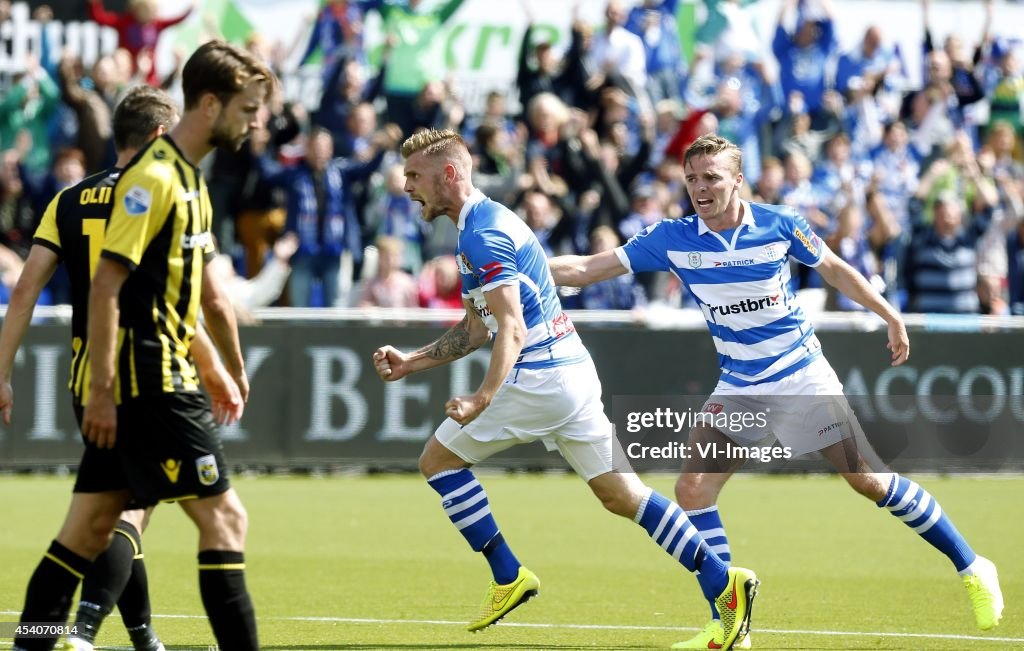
[
  {"x": 139, "y": 113},
  {"x": 224, "y": 70}
]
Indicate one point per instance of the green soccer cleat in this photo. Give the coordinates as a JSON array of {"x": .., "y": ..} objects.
[
  {"x": 712, "y": 638},
  {"x": 983, "y": 590},
  {"x": 503, "y": 599},
  {"x": 735, "y": 604}
]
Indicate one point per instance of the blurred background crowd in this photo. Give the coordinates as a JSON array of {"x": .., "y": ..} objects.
[{"x": 913, "y": 177}]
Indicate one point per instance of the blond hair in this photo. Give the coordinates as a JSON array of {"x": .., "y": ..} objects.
[
  {"x": 712, "y": 145},
  {"x": 432, "y": 142}
]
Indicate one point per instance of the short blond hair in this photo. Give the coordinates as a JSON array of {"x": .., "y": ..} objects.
[
  {"x": 433, "y": 142},
  {"x": 712, "y": 145}
]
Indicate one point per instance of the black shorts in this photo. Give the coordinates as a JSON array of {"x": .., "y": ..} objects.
[
  {"x": 167, "y": 449},
  {"x": 100, "y": 469}
]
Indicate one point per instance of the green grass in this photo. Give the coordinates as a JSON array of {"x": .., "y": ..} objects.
[{"x": 379, "y": 548}]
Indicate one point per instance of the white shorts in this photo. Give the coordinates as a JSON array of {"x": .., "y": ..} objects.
[
  {"x": 806, "y": 411},
  {"x": 559, "y": 406}
]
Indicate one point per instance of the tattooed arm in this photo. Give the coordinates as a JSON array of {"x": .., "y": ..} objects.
[{"x": 460, "y": 340}]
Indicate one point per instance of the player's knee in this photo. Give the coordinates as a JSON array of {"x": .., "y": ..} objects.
[
  {"x": 691, "y": 492},
  {"x": 233, "y": 519},
  {"x": 90, "y": 538},
  {"x": 222, "y": 522},
  {"x": 868, "y": 484},
  {"x": 620, "y": 498}
]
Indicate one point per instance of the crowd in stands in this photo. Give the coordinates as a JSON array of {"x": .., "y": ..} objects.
[{"x": 920, "y": 187}]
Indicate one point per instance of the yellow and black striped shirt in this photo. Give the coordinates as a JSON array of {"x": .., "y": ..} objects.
[
  {"x": 73, "y": 228},
  {"x": 159, "y": 228}
]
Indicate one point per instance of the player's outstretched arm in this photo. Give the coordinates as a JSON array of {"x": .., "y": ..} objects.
[
  {"x": 458, "y": 341},
  {"x": 99, "y": 422},
  {"x": 583, "y": 270},
  {"x": 38, "y": 269},
  {"x": 850, "y": 282},
  {"x": 220, "y": 320},
  {"x": 503, "y": 302},
  {"x": 224, "y": 394}
]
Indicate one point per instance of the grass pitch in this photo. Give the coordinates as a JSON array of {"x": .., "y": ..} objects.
[{"x": 371, "y": 563}]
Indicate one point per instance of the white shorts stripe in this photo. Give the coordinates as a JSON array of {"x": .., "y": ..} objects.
[
  {"x": 459, "y": 508},
  {"x": 472, "y": 518},
  {"x": 460, "y": 491}
]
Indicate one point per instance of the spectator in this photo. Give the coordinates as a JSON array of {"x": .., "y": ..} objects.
[
  {"x": 417, "y": 57},
  {"x": 1008, "y": 95},
  {"x": 769, "y": 186},
  {"x": 1015, "y": 257},
  {"x": 138, "y": 29},
  {"x": 265, "y": 287},
  {"x": 338, "y": 32},
  {"x": 320, "y": 214},
  {"x": 941, "y": 266},
  {"x": 951, "y": 68},
  {"x": 896, "y": 166},
  {"x": 390, "y": 287},
  {"x": 394, "y": 214},
  {"x": 804, "y": 54},
  {"x": 617, "y": 51},
  {"x": 545, "y": 73},
  {"x": 875, "y": 64},
  {"x": 654, "y": 21},
  {"x": 92, "y": 105},
  {"x": 440, "y": 285},
  {"x": 345, "y": 89},
  {"x": 27, "y": 107},
  {"x": 620, "y": 293}
]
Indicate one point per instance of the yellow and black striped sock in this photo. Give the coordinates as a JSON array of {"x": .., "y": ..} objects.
[
  {"x": 50, "y": 591},
  {"x": 227, "y": 602}
]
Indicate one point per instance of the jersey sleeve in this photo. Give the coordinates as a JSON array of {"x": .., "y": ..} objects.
[
  {"x": 143, "y": 201},
  {"x": 47, "y": 233},
  {"x": 493, "y": 256},
  {"x": 646, "y": 251},
  {"x": 804, "y": 243}
]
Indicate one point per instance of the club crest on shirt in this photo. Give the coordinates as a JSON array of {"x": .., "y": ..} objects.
[
  {"x": 137, "y": 200},
  {"x": 694, "y": 259},
  {"x": 464, "y": 266},
  {"x": 771, "y": 251}
]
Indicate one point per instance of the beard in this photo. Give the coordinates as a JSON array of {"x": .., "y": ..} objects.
[{"x": 222, "y": 138}]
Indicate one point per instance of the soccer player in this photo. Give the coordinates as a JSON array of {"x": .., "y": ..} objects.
[
  {"x": 734, "y": 258},
  {"x": 540, "y": 385},
  {"x": 141, "y": 395},
  {"x": 71, "y": 231}
]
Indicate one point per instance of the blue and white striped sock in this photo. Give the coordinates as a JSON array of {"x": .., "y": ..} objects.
[
  {"x": 668, "y": 525},
  {"x": 922, "y": 513},
  {"x": 709, "y": 524},
  {"x": 465, "y": 503}
]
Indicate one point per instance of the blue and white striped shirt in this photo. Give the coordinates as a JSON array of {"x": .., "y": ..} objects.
[
  {"x": 740, "y": 279},
  {"x": 497, "y": 248}
]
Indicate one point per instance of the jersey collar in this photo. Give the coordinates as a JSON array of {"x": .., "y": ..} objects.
[
  {"x": 748, "y": 219},
  {"x": 476, "y": 197}
]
